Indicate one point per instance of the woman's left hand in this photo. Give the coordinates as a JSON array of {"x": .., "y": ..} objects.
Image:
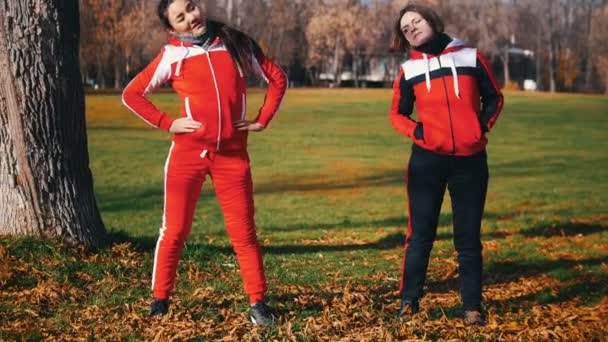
[{"x": 246, "y": 125}]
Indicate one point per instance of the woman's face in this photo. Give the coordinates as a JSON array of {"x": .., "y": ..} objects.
[
  {"x": 187, "y": 16},
  {"x": 415, "y": 28}
]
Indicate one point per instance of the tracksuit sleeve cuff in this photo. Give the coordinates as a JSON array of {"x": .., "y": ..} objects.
[
  {"x": 165, "y": 122},
  {"x": 263, "y": 120},
  {"x": 411, "y": 128}
]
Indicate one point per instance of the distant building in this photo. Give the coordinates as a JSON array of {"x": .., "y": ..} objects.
[
  {"x": 522, "y": 68},
  {"x": 373, "y": 71},
  {"x": 381, "y": 70}
]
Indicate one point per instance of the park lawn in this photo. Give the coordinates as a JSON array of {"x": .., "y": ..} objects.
[{"x": 331, "y": 215}]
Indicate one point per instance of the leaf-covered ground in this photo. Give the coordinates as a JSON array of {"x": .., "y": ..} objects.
[{"x": 50, "y": 291}]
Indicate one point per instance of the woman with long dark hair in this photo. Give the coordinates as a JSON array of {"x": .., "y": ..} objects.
[
  {"x": 207, "y": 63},
  {"x": 457, "y": 101}
]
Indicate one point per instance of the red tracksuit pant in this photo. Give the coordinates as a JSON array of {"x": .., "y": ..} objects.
[{"x": 185, "y": 171}]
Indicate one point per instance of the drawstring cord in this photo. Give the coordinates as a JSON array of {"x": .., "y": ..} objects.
[
  {"x": 454, "y": 75},
  {"x": 427, "y": 72},
  {"x": 452, "y": 65}
]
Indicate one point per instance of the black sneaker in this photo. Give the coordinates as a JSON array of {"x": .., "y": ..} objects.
[
  {"x": 261, "y": 314},
  {"x": 408, "y": 310},
  {"x": 474, "y": 317},
  {"x": 159, "y": 307}
]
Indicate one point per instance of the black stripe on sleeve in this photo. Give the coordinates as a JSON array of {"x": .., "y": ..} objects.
[
  {"x": 490, "y": 96},
  {"x": 406, "y": 98}
]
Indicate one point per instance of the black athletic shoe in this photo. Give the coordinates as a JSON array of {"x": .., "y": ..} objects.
[
  {"x": 261, "y": 314},
  {"x": 408, "y": 310},
  {"x": 474, "y": 318},
  {"x": 159, "y": 307}
]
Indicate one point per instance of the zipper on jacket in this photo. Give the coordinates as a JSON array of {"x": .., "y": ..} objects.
[
  {"x": 188, "y": 111},
  {"x": 219, "y": 107},
  {"x": 447, "y": 99},
  {"x": 244, "y": 109}
]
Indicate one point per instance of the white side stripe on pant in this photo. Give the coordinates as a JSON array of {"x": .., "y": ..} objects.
[{"x": 163, "y": 228}]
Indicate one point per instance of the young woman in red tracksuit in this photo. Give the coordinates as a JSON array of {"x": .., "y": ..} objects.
[
  {"x": 207, "y": 64},
  {"x": 457, "y": 101}
]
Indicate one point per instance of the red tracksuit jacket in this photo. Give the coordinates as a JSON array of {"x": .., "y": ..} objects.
[
  {"x": 447, "y": 90},
  {"x": 212, "y": 89}
]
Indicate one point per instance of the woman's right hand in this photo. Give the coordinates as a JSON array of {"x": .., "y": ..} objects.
[{"x": 184, "y": 125}]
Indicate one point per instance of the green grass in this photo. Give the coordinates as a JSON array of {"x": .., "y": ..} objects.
[
  {"x": 331, "y": 206},
  {"x": 331, "y": 165}
]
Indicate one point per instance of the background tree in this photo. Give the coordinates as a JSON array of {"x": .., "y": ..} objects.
[
  {"x": 46, "y": 187},
  {"x": 599, "y": 50},
  {"x": 334, "y": 29},
  {"x": 121, "y": 36}
]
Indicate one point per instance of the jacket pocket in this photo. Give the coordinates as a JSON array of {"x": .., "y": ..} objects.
[
  {"x": 468, "y": 132},
  {"x": 436, "y": 138}
]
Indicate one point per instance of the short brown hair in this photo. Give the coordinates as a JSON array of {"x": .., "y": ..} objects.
[{"x": 399, "y": 42}]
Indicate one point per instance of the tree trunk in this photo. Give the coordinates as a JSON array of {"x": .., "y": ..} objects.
[
  {"x": 553, "y": 47},
  {"x": 505, "y": 65},
  {"x": 588, "y": 87},
  {"x": 83, "y": 68},
  {"x": 278, "y": 55},
  {"x": 238, "y": 13},
  {"x": 100, "y": 77},
  {"x": 552, "y": 68},
  {"x": 356, "y": 68},
  {"x": 46, "y": 187},
  {"x": 117, "y": 70},
  {"x": 127, "y": 66},
  {"x": 337, "y": 62},
  {"x": 229, "y": 11},
  {"x": 538, "y": 56}
]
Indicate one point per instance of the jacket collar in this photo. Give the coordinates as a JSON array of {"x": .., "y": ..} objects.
[
  {"x": 177, "y": 42},
  {"x": 455, "y": 45}
]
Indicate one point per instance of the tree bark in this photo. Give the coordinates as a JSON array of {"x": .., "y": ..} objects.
[
  {"x": 229, "y": 11},
  {"x": 505, "y": 65},
  {"x": 538, "y": 56},
  {"x": 337, "y": 61},
  {"x": 117, "y": 70},
  {"x": 552, "y": 86},
  {"x": 356, "y": 68},
  {"x": 100, "y": 76},
  {"x": 553, "y": 50},
  {"x": 46, "y": 186}
]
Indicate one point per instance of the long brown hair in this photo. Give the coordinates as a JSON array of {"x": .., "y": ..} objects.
[
  {"x": 240, "y": 45},
  {"x": 399, "y": 42}
]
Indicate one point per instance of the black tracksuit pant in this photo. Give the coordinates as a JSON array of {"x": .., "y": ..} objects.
[{"x": 467, "y": 181}]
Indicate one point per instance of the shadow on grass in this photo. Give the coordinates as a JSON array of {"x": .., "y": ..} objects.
[
  {"x": 131, "y": 200},
  {"x": 139, "y": 199},
  {"x": 586, "y": 285},
  {"x": 148, "y": 243},
  {"x": 140, "y": 243},
  {"x": 295, "y": 184},
  {"x": 532, "y": 167},
  {"x": 564, "y": 229},
  {"x": 587, "y": 290},
  {"x": 505, "y": 271},
  {"x": 388, "y": 242},
  {"x": 396, "y": 221},
  {"x": 150, "y": 197}
]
